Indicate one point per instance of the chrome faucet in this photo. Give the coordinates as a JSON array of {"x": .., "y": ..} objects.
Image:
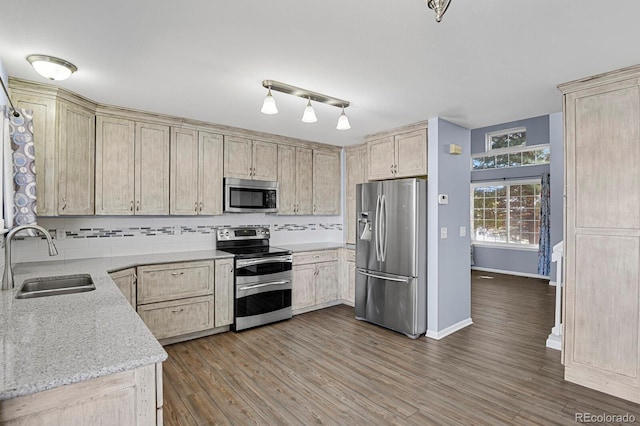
[{"x": 7, "y": 280}]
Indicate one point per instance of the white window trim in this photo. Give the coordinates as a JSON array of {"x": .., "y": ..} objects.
[
  {"x": 487, "y": 138},
  {"x": 515, "y": 150},
  {"x": 515, "y": 181}
]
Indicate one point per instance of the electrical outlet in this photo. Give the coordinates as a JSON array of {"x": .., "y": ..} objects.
[
  {"x": 61, "y": 234},
  {"x": 463, "y": 231},
  {"x": 443, "y": 232},
  {"x": 177, "y": 230},
  {"x": 443, "y": 199}
]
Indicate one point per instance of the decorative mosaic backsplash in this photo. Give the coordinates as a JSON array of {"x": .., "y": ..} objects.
[{"x": 144, "y": 231}]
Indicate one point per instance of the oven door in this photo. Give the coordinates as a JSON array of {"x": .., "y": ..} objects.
[
  {"x": 263, "y": 269},
  {"x": 262, "y": 302}
]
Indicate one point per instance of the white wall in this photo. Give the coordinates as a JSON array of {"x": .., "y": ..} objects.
[{"x": 3, "y": 101}]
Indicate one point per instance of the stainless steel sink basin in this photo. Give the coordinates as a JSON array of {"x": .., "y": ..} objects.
[{"x": 52, "y": 286}]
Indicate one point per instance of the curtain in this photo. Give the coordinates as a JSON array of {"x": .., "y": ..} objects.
[
  {"x": 544, "y": 247},
  {"x": 19, "y": 169}
]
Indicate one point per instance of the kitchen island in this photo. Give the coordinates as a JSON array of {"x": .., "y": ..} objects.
[{"x": 86, "y": 354}]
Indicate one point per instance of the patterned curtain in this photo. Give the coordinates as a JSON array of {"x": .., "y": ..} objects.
[
  {"x": 19, "y": 169},
  {"x": 544, "y": 247}
]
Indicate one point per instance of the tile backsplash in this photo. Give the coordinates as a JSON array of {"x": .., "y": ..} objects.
[{"x": 84, "y": 237}]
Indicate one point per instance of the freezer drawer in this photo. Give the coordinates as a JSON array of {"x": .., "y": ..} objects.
[{"x": 395, "y": 302}]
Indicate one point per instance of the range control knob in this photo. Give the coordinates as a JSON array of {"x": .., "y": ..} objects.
[{"x": 226, "y": 233}]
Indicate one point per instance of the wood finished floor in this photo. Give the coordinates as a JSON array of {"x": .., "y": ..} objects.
[{"x": 325, "y": 367}]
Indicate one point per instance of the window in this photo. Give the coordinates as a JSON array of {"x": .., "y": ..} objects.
[
  {"x": 513, "y": 157},
  {"x": 506, "y": 139},
  {"x": 506, "y": 213}
]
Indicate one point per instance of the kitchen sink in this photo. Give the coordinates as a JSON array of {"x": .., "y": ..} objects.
[{"x": 53, "y": 286}]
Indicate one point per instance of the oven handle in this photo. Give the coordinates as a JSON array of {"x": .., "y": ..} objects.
[
  {"x": 250, "y": 287},
  {"x": 248, "y": 262}
]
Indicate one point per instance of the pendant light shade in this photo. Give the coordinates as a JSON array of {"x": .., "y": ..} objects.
[
  {"x": 439, "y": 7},
  {"x": 52, "y": 68},
  {"x": 269, "y": 105},
  {"x": 343, "y": 121},
  {"x": 309, "y": 115}
]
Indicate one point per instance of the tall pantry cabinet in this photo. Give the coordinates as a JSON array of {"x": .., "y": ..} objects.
[{"x": 601, "y": 346}]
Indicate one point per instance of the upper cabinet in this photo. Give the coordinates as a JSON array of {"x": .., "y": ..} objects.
[
  {"x": 356, "y": 171},
  {"x": 132, "y": 167},
  {"x": 295, "y": 178},
  {"x": 64, "y": 136},
  {"x": 196, "y": 172},
  {"x": 250, "y": 159},
  {"x": 397, "y": 155},
  {"x": 326, "y": 182}
]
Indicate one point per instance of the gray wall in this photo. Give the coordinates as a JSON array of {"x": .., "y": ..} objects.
[
  {"x": 546, "y": 129},
  {"x": 449, "y": 281},
  {"x": 3, "y": 74}
]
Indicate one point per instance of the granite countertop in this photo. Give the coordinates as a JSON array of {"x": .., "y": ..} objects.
[
  {"x": 314, "y": 246},
  {"x": 51, "y": 341}
]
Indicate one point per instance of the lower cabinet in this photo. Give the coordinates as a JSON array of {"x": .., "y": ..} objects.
[
  {"x": 178, "y": 317},
  {"x": 315, "y": 280},
  {"x": 348, "y": 279},
  {"x": 126, "y": 282},
  {"x": 224, "y": 297},
  {"x": 132, "y": 397}
]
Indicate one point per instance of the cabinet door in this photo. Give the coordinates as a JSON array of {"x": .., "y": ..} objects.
[
  {"x": 287, "y": 180},
  {"x": 356, "y": 173},
  {"x": 303, "y": 286},
  {"x": 178, "y": 317},
  {"x": 304, "y": 181},
  {"x": 152, "y": 169},
  {"x": 237, "y": 157},
  {"x": 76, "y": 161},
  {"x": 223, "y": 296},
  {"x": 326, "y": 183},
  {"x": 350, "y": 295},
  {"x": 44, "y": 139},
  {"x": 381, "y": 158},
  {"x": 210, "y": 166},
  {"x": 183, "y": 199},
  {"x": 115, "y": 160},
  {"x": 265, "y": 161},
  {"x": 411, "y": 154},
  {"x": 157, "y": 283},
  {"x": 326, "y": 282},
  {"x": 126, "y": 282}
]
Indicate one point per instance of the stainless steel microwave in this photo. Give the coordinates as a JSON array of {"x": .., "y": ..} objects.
[{"x": 250, "y": 196}]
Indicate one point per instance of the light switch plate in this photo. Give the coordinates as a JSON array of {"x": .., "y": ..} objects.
[
  {"x": 443, "y": 232},
  {"x": 60, "y": 234},
  {"x": 443, "y": 199},
  {"x": 463, "y": 231}
]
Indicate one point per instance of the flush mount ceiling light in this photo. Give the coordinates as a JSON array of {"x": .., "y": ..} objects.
[
  {"x": 309, "y": 115},
  {"x": 269, "y": 104},
  {"x": 51, "y": 67},
  {"x": 439, "y": 7}
]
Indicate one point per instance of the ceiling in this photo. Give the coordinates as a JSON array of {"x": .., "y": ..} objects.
[{"x": 487, "y": 62}]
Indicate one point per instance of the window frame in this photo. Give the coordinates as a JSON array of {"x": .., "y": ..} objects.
[
  {"x": 513, "y": 150},
  {"x": 489, "y": 135},
  {"x": 496, "y": 244}
]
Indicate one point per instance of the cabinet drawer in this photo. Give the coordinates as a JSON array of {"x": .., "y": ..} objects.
[
  {"x": 178, "y": 317},
  {"x": 159, "y": 283},
  {"x": 351, "y": 255},
  {"x": 315, "y": 257}
]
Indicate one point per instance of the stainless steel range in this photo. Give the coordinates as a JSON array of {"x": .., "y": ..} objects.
[{"x": 262, "y": 276}]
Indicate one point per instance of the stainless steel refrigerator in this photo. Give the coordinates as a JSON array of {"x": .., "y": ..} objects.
[{"x": 391, "y": 255}]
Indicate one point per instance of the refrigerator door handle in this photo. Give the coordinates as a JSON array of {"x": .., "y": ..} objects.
[
  {"x": 400, "y": 280},
  {"x": 383, "y": 243},
  {"x": 377, "y": 230}
]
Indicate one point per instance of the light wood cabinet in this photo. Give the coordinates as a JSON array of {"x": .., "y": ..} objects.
[
  {"x": 348, "y": 277},
  {"x": 315, "y": 280},
  {"x": 132, "y": 167},
  {"x": 250, "y": 159},
  {"x": 126, "y": 282},
  {"x": 196, "y": 172},
  {"x": 601, "y": 336},
  {"x": 157, "y": 283},
  {"x": 132, "y": 397},
  {"x": 224, "y": 292},
  {"x": 64, "y": 137},
  {"x": 178, "y": 317},
  {"x": 398, "y": 155},
  {"x": 356, "y": 172},
  {"x": 326, "y": 183},
  {"x": 295, "y": 179}
]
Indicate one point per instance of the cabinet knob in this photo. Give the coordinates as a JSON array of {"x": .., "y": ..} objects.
[
  {"x": 175, "y": 311},
  {"x": 177, "y": 274},
  {"x": 64, "y": 204},
  {"x": 201, "y": 205},
  {"x": 195, "y": 206},
  {"x": 131, "y": 206},
  {"x": 138, "y": 205}
]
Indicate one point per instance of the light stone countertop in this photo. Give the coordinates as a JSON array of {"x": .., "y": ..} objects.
[
  {"x": 48, "y": 342},
  {"x": 296, "y": 248}
]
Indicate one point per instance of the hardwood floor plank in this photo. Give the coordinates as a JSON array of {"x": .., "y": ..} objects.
[{"x": 325, "y": 367}]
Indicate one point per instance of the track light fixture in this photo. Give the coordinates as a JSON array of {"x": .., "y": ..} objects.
[
  {"x": 439, "y": 7},
  {"x": 269, "y": 104},
  {"x": 309, "y": 115}
]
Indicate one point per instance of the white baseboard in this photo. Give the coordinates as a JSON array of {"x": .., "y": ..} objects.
[
  {"x": 552, "y": 283},
  {"x": 554, "y": 342},
  {"x": 437, "y": 335},
  {"x": 500, "y": 271}
]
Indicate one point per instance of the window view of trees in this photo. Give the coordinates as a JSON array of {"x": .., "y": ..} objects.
[
  {"x": 507, "y": 139},
  {"x": 507, "y": 214},
  {"x": 516, "y": 158}
]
